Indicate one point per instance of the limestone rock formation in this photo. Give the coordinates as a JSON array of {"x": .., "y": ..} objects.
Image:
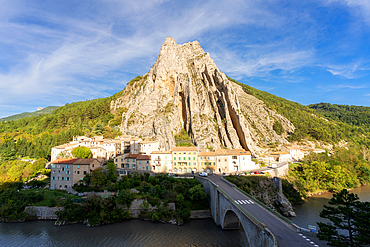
[{"x": 184, "y": 89}]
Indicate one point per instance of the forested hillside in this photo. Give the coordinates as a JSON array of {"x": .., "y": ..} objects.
[
  {"x": 46, "y": 110},
  {"x": 350, "y": 114},
  {"x": 35, "y": 136},
  {"x": 309, "y": 124}
]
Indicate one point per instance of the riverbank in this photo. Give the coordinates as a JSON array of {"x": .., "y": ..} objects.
[{"x": 308, "y": 213}]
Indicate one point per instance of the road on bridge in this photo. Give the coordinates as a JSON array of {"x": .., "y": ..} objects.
[{"x": 285, "y": 235}]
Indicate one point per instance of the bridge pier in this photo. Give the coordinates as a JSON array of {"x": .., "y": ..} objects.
[{"x": 228, "y": 215}]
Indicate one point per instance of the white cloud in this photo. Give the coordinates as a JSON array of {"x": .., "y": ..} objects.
[
  {"x": 51, "y": 50},
  {"x": 361, "y": 8}
]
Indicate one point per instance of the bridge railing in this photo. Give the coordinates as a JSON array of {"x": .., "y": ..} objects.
[
  {"x": 250, "y": 216},
  {"x": 261, "y": 203}
]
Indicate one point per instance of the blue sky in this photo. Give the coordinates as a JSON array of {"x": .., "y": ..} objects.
[{"x": 58, "y": 52}]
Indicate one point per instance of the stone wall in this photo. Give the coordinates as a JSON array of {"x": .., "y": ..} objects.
[
  {"x": 200, "y": 214},
  {"x": 43, "y": 213}
]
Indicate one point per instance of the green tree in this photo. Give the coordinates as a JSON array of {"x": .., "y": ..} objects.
[
  {"x": 98, "y": 178},
  {"x": 197, "y": 193},
  {"x": 81, "y": 152},
  {"x": 349, "y": 218},
  {"x": 111, "y": 171}
]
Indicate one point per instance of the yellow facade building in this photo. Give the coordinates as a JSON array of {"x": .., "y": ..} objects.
[{"x": 184, "y": 159}]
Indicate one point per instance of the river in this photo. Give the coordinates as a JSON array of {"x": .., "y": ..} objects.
[
  {"x": 308, "y": 213},
  {"x": 129, "y": 233},
  {"x": 146, "y": 233}
]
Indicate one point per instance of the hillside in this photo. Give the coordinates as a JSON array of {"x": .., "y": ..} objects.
[
  {"x": 309, "y": 123},
  {"x": 350, "y": 114},
  {"x": 37, "y": 135},
  {"x": 183, "y": 100},
  {"x": 46, "y": 110}
]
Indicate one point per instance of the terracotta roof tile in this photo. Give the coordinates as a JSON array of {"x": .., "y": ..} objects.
[
  {"x": 185, "y": 149},
  {"x": 64, "y": 161}
]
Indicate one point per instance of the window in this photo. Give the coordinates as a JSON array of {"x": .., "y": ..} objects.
[
  {"x": 68, "y": 178},
  {"x": 174, "y": 158},
  {"x": 184, "y": 158},
  {"x": 121, "y": 160},
  {"x": 53, "y": 178},
  {"x": 58, "y": 166},
  {"x": 67, "y": 166},
  {"x": 84, "y": 172},
  {"x": 193, "y": 158},
  {"x": 53, "y": 166},
  {"x": 78, "y": 172},
  {"x": 234, "y": 157},
  {"x": 174, "y": 163},
  {"x": 63, "y": 169},
  {"x": 139, "y": 167},
  {"x": 165, "y": 157},
  {"x": 147, "y": 167},
  {"x": 116, "y": 160},
  {"x": 194, "y": 163},
  {"x": 189, "y": 158},
  {"x": 140, "y": 162},
  {"x": 62, "y": 178},
  {"x": 193, "y": 152},
  {"x": 78, "y": 166}
]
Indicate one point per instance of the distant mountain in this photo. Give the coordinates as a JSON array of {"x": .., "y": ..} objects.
[
  {"x": 46, "y": 110},
  {"x": 350, "y": 114}
]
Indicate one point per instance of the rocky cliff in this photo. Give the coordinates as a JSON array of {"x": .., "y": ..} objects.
[{"x": 184, "y": 89}]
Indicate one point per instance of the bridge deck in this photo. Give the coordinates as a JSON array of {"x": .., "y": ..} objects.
[{"x": 283, "y": 232}]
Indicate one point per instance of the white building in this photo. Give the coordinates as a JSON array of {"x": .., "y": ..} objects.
[
  {"x": 295, "y": 152},
  {"x": 147, "y": 147},
  {"x": 161, "y": 161},
  {"x": 282, "y": 156}
]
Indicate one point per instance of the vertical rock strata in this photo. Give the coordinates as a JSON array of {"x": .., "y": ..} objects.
[{"x": 184, "y": 89}]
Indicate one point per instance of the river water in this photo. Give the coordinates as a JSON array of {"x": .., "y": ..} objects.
[
  {"x": 129, "y": 233},
  {"x": 308, "y": 213},
  {"x": 146, "y": 233}
]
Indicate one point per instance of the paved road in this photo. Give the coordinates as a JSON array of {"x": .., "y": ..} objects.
[{"x": 285, "y": 235}]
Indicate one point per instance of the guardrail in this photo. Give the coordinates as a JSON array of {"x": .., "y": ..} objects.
[
  {"x": 260, "y": 203},
  {"x": 247, "y": 214}
]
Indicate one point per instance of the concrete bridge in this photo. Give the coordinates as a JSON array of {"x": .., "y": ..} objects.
[{"x": 232, "y": 209}]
